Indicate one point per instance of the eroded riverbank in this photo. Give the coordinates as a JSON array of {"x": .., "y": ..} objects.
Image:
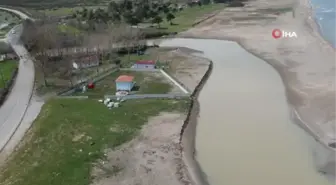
[
  {"x": 306, "y": 63},
  {"x": 244, "y": 128}
]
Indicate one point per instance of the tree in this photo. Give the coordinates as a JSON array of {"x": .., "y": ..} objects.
[
  {"x": 206, "y": 2},
  {"x": 127, "y": 16},
  {"x": 153, "y": 13},
  {"x": 170, "y": 17},
  {"x": 90, "y": 15},
  {"x": 40, "y": 38},
  {"x": 113, "y": 7},
  {"x": 140, "y": 13},
  {"x": 45, "y": 41},
  {"x": 84, "y": 13},
  {"x": 157, "y": 20},
  {"x": 165, "y": 9},
  {"x": 127, "y": 5},
  {"x": 67, "y": 74},
  {"x": 116, "y": 17},
  {"x": 135, "y": 21},
  {"x": 155, "y": 5}
]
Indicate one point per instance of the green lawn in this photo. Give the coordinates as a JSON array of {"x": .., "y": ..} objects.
[
  {"x": 2, "y": 34},
  {"x": 68, "y": 29},
  {"x": 187, "y": 17},
  {"x": 6, "y": 70},
  {"x": 147, "y": 83},
  {"x": 64, "y": 11},
  {"x": 69, "y": 136}
]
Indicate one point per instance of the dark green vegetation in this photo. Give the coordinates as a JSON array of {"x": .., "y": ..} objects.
[
  {"x": 42, "y": 4},
  {"x": 146, "y": 83},
  {"x": 7, "y": 69},
  {"x": 70, "y": 135},
  {"x": 149, "y": 13}
]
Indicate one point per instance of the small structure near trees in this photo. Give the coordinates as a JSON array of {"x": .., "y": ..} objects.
[
  {"x": 144, "y": 64},
  {"x": 124, "y": 83},
  {"x": 86, "y": 62}
]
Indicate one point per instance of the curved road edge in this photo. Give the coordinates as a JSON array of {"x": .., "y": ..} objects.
[
  {"x": 18, "y": 108},
  {"x": 17, "y": 12}
]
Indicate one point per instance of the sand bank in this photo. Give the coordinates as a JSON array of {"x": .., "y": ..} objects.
[
  {"x": 305, "y": 64},
  {"x": 162, "y": 153}
]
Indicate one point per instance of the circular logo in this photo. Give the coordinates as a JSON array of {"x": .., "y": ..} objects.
[{"x": 276, "y": 33}]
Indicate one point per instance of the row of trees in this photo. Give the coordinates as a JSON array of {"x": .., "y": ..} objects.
[
  {"x": 54, "y": 50},
  {"x": 131, "y": 12},
  {"x": 134, "y": 12}
]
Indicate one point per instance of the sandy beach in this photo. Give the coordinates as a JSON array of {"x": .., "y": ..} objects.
[{"x": 306, "y": 63}]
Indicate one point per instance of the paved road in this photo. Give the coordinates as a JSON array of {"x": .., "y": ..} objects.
[
  {"x": 15, "y": 107},
  {"x": 20, "y": 14}
]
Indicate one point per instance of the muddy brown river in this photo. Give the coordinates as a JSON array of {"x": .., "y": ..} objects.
[{"x": 244, "y": 134}]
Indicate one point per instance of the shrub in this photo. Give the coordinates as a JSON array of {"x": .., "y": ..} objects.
[
  {"x": 4, "y": 92},
  {"x": 236, "y": 3}
]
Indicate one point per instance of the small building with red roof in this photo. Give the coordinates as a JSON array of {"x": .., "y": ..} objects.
[
  {"x": 144, "y": 64},
  {"x": 124, "y": 83}
]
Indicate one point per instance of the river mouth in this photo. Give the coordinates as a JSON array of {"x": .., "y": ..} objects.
[{"x": 244, "y": 134}]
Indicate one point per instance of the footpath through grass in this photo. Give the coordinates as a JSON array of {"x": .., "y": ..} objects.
[
  {"x": 69, "y": 136},
  {"x": 6, "y": 70}
]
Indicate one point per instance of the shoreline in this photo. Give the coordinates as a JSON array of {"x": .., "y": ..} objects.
[
  {"x": 188, "y": 135},
  {"x": 299, "y": 115}
]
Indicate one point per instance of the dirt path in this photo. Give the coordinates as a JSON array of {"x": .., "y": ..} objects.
[{"x": 152, "y": 158}]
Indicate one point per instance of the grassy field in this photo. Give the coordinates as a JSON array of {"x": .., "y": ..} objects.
[
  {"x": 6, "y": 70},
  {"x": 38, "y": 4},
  {"x": 70, "y": 135},
  {"x": 146, "y": 83},
  {"x": 68, "y": 29},
  {"x": 2, "y": 34},
  {"x": 64, "y": 11},
  {"x": 187, "y": 17}
]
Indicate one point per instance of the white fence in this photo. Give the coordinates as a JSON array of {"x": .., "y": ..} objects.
[{"x": 149, "y": 96}]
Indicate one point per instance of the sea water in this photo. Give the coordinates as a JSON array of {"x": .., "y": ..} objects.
[{"x": 324, "y": 13}]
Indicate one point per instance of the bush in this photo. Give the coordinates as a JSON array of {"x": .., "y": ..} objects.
[
  {"x": 236, "y": 3},
  {"x": 5, "y": 48},
  {"x": 154, "y": 33},
  {"x": 4, "y": 92}
]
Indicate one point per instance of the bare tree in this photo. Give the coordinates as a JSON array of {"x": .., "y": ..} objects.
[
  {"x": 44, "y": 41},
  {"x": 68, "y": 73}
]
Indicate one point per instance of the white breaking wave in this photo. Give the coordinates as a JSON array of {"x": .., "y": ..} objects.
[{"x": 328, "y": 11}]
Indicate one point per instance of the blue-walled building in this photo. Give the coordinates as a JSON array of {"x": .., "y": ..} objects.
[{"x": 124, "y": 83}]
